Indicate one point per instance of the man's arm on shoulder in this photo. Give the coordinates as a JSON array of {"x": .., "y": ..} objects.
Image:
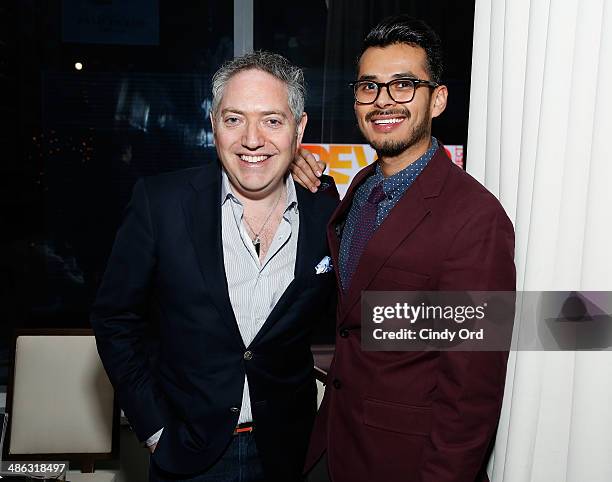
[
  {"x": 306, "y": 170},
  {"x": 119, "y": 316},
  {"x": 470, "y": 385}
]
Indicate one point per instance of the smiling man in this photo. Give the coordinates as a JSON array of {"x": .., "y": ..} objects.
[
  {"x": 411, "y": 221},
  {"x": 227, "y": 264}
]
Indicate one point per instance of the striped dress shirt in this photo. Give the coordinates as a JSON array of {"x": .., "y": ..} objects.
[{"x": 254, "y": 287}]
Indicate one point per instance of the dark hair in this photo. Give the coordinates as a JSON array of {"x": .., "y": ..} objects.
[{"x": 403, "y": 29}]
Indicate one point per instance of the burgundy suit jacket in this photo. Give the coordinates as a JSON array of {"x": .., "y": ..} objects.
[{"x": 417, "y": 416}]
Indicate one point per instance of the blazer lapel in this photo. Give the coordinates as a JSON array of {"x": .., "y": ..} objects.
[
  {"x": 310, "y": 226},
  {"x": 403, "y": 219},
  {"x": 336, "y": 222},
  {"x": 202, "y": 209},
  {"x": 305, "y": 259}
]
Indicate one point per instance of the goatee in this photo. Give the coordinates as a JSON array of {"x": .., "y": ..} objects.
[{"x": 393, "y": 148}]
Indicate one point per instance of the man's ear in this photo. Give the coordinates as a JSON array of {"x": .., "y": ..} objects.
[
  {"x": 438, "y": 100},
  {"x": 301, "y": 127},
  {"x": 212, "y": 121}
]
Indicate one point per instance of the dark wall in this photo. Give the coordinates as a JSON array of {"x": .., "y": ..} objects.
[
  {"x": 327, "y": 42},
  {"x": 73, "y": 142}
]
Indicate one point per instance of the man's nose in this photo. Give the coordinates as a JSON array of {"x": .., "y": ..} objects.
[
  {"x": 384, "y": 99},
  {"x": 252, "y": 138}
]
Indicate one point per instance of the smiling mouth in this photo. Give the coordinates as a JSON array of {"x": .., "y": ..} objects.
[
  {"x": 254, "y": 159},
  {"x": 387, "y": 120},
  {"x": 393, "y": 120}
]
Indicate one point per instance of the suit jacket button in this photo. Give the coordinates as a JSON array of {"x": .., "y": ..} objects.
[
  {"x": 234, "y": 409},
  {"x": 248, "y": 355},
  {"x": 344, "y": 333},
  {"x": 336, "y": 383}
]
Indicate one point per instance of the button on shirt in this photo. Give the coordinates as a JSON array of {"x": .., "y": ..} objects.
[
  {"x": 394, "y": 187},
  {"x": 255, "y": 287}
]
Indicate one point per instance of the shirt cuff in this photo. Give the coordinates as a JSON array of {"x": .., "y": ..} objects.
[{"x": 153, "y": 439}]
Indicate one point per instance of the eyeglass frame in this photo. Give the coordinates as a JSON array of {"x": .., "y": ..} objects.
[{"x": 380, "y": 85}]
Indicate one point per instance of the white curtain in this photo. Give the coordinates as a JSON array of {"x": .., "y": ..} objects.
[{"x": 540, "y": 138}]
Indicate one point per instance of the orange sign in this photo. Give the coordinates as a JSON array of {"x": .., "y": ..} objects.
[{"x": 345, "y": 160}]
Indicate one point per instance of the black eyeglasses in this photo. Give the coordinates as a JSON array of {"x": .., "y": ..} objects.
[{"x": 400, "y": 90}]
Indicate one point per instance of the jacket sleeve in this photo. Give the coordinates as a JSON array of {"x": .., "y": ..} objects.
[
  {"x": 470, "y": 385},
  {"x": 119, "y": 317}
]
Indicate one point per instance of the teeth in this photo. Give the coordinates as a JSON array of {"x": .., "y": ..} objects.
[
  {"x": 395, "y": 120},
  {"x": 253, "y": 159}
]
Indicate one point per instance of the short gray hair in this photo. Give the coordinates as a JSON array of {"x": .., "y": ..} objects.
[{"x": 271, "y": 63}]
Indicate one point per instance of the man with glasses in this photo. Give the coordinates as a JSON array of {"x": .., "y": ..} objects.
[{"x": 410, "y": 221}]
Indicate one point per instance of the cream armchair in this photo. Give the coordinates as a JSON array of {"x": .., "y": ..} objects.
[{"x": 60, "y": 403}]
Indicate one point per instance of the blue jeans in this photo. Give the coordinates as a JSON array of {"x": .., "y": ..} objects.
[{"x": 239, "y": 463}]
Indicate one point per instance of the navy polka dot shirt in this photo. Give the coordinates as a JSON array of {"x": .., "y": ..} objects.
[{"x": 394, "y": 187}]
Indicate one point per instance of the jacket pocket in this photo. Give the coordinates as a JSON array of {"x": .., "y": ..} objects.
[
  {"x": 397, "y": 417},
  {"x": 401, "y": 278}
]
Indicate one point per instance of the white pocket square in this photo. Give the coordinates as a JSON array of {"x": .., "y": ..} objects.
[{"x": 324, "y": 266}]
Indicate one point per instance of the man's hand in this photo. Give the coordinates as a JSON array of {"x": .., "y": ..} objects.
[
  {"x": 152, "y": 447},
  {"x": 306, "y": 170}
]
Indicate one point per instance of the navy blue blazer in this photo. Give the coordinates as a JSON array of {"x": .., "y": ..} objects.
[{"x": 166, "y": 276}]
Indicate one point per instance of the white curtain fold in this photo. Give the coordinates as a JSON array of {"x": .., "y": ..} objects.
[{"x": 539, "y": 130}]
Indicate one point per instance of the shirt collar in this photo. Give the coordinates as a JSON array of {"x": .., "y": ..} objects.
[
  {"x": 226, "y": 188},
  {"x": 228, "y": 193},
  {"x": 391, "y": 186}
]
